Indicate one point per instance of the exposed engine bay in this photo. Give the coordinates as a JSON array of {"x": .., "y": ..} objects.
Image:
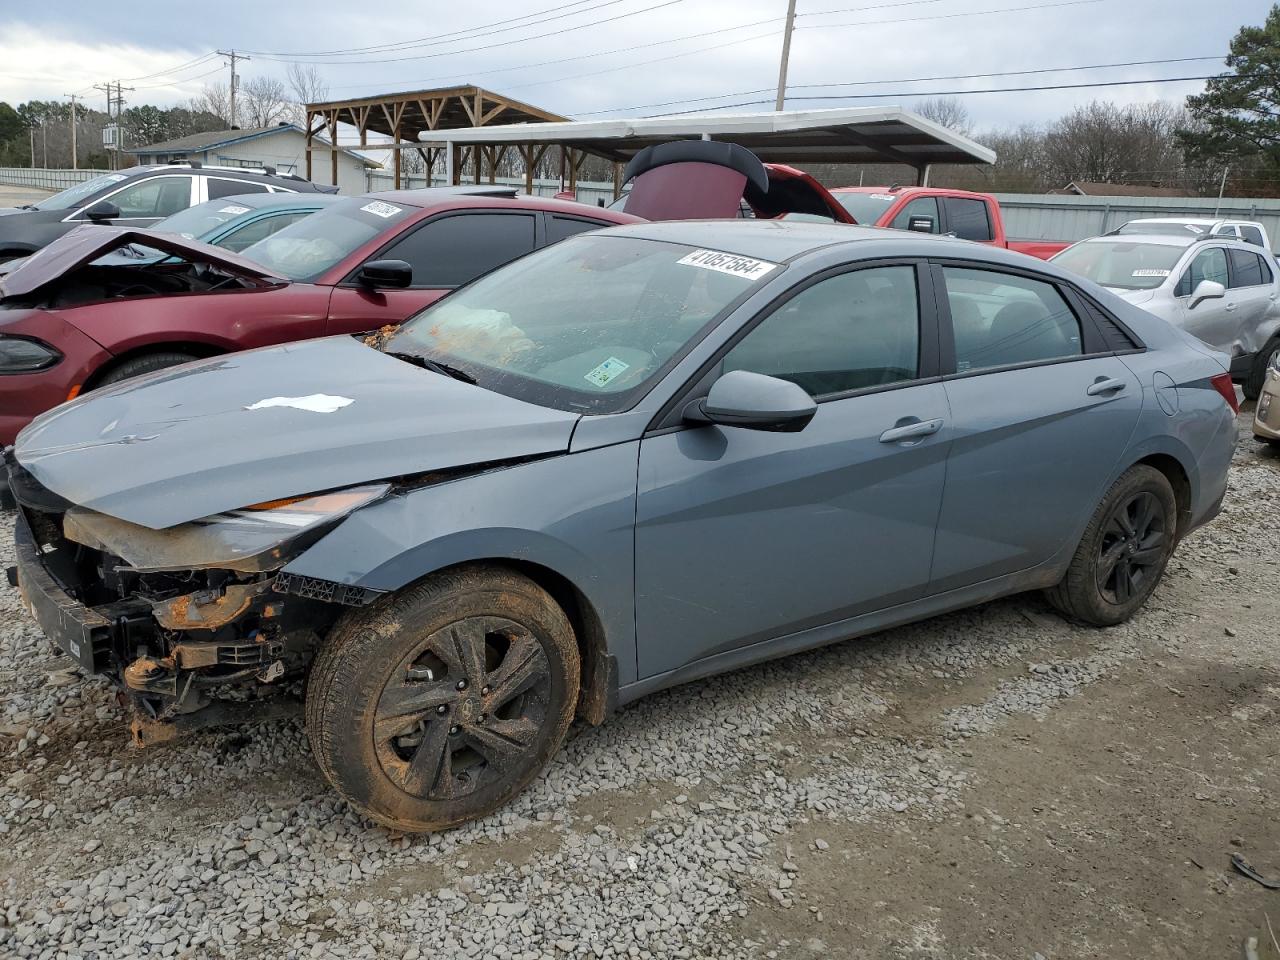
[{"x": 96, "y": 282}]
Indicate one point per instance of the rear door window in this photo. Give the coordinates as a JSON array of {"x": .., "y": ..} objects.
[
  {"x": 259, "y": 229},
  {"x": 919, "y": 207},
  {"x": 967, "y": 218},
  {"x": 454, "y": 250},
  {"x": 220, "y": 187},
  {"x": 1246, "y": 268},
  {"x": 559, "y": 228},
  {"x": 1001, "y": 319}
]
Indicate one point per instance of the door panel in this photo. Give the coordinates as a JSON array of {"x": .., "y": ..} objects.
[
  {"x": 1030, "y": 452},
  {"x": 357, "y": 309},
  {"x": 744, "y": 535},
  {"x": 1213, "y": 321}
]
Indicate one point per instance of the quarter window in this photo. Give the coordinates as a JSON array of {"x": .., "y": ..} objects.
[
  {"x": 967, "y": 218},
  {"x": 259, "y": 229},
  {"x": 919, "y": 207},
  {"x": 454, "y": 250},
  {"x": 848, "y": 332},
  {"x": 1253, "y": 235},
  {"x": 219, "y": 188},
  {"x": 558, "y": 228},
  {"x": 1002, "y": 320},
  {"x": 1246, "y": 268}
]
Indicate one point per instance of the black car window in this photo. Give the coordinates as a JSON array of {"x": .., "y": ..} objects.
[
  {"x": 250, "y": 233},
  {"x": 156, "y": 197},
  {"x": 919, "y": 207},
  {"x": 1208, "y": 264},
  {"x": 219, "y": 187},
  {"x": 454, "y": 250},
  {"x": 1253, "y": 235},
  {"x": 558, "y": 228},
  {"x": 1246, "y": 268},
  {"x": 967, "y": 219},
  {"x": 848, "y": 332},
  {"x": 1000, "y": 319}
]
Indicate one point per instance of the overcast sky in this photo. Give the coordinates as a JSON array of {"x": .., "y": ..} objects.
[{"x": 608, "y": 48}]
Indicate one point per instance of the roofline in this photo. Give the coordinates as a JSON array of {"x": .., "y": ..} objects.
[
  {"x": 466, "y": 89},
  {"x": 163, "y": 147}
]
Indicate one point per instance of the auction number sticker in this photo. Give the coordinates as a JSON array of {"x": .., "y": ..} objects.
[
  {"x": 380, "y": 209},
  {"x": 233, "y": 209},
  {"x": 602, "y": 374},
  {"x": 1150, "y": 272},
  {"x": 745, "y": 267}
]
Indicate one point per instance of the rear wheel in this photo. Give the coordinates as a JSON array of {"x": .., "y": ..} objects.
[
  {"x": 1252, "y": 386},
  {"x": 146, "y": 363},
  {"x": 1123, "y": 552},
  {"x": 440, "y": 704}
]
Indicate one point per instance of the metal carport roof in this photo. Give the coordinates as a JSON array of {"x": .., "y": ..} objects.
[{"x": 840, "y": 135}]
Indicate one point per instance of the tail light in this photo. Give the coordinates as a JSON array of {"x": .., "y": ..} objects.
[{"x": 1222, "y": 383}]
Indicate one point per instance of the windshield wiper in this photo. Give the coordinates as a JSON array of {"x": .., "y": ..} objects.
[{"x": 435, "y": 366}]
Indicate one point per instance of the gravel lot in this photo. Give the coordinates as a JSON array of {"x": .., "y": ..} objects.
[{"x": 994, "y": 783}]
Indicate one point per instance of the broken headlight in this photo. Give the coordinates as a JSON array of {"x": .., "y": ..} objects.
[
  {"x": 257, "y": 538},
  {"x": 21, "y": 355}
]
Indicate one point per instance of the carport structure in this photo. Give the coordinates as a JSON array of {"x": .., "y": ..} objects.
[
  {"x": 408, "y": 116},
  {"x": 842, "y": 135}
]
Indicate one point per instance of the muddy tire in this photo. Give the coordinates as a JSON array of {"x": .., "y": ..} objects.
[
  {"x": 1123, "y": 552},
  {"x": 1252, "y": 386},
  {"x": 439, "y": 704},
  {"x": 147, "y": 363}
]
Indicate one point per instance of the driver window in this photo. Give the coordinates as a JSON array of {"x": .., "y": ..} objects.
[
  {"x": 1209, "y": 264},
  {"x": 849, "y": 332},
  {"x": 919, "y": 207}
]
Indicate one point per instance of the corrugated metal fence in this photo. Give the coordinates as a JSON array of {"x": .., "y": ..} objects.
[
  {"x": 52, "y": 180},
  {"x": 1052, "y": 217}
]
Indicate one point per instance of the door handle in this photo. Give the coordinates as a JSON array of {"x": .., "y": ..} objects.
[
  {"x": 911, "y": 431},
  {"x": 1230, "y": 306},
  {"x": 1099, "y": 387}
]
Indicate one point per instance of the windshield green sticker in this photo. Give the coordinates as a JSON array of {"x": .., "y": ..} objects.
[
  {"x": 745, "y": 267},
  {"x": 602, "y": 374}
]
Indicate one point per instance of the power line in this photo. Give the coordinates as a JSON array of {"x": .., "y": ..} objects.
[
  {"x": 173, "y": 83},
  {"x": 505, "y": 43},
  {"x": 867, "y": 83}
]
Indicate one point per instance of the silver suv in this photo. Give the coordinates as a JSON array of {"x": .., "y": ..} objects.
[{"x": 1224, "y": 291}]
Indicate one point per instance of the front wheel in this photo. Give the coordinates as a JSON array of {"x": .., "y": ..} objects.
[
  {"x": 440, "y": 704},
  {"x": 1252, "y": 386},
  {"x": 1123, "y": 552}
]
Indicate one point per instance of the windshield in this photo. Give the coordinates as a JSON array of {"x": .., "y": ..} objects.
[
  {"x": 866, "y": 208},
  {"x": 195, "y": 222},
  {"x": 1122, "y": 264},
  {"x": 306, "y": 249},
  {"x": 1163, "y": 229},
  {"x": 74, "y": 196},
  {"x": 587, "y": 324}
]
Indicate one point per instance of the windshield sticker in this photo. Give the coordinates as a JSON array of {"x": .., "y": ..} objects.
[
  {"x": 1192, "y": 227},
  {"x": 602, "y": 374},
  {"x": 115, "y": 177},
  {"x": 883, "y": 196},
  {"x": 315, "y": 403},
  {"x": 378, "y": 208},
  {"x": 234, "y": 209},
  {"x": 1150, "y": 272},
  {"x": 731, "y": 263}
]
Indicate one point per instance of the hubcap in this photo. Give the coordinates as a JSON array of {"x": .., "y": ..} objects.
[
  {"x": 435, "y": 736},
  {"x": 1133, "y": 546}
]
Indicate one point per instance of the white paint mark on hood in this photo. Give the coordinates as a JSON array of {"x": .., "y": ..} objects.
[{"x": 316, "y": 403}]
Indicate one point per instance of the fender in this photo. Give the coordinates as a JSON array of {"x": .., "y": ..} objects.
[{"x": 529, "y": 513}]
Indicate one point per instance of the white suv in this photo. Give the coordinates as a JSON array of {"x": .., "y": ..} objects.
[
  {"x": 1250, "y": 231},
  {"x": 1223, "y": 291}
]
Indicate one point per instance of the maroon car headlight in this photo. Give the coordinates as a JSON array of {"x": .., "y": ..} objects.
[{"x": 21, "y": 355}]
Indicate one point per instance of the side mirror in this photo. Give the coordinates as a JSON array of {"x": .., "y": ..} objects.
[
  {"x": 1206, "y": 290},
  {"x": 741, "y": 398},
  {"x": 394, "y": 274},
  {"x": 920, "y": 224},
  {"x": 103, "y": 211}
]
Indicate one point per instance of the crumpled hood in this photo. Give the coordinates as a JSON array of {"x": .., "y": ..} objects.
[
  {"x": 1138, "y": 297},
  {"x": 221, "y": 434}
]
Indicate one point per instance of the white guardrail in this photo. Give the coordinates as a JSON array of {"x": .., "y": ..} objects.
[{"x": 46, "y": 179}]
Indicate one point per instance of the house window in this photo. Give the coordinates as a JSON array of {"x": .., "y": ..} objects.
[{"x": 257, "y": 164}]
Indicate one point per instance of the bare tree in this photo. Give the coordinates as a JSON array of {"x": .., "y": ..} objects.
[
  {"x": 215, "y": 98},
  {"x": 261, "y": 102},
  {"x": 947, "y": 111},
  {"x": 1103, "y": 142},
  {"x": 306, "y": 86}
]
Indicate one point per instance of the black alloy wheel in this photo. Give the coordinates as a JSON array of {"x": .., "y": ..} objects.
[{"x": 1132, "y": 547}]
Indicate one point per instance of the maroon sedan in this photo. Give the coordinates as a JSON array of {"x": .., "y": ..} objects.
[{"x": 72, "y": 319}]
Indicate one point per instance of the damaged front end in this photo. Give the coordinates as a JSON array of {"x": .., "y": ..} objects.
[{"x": 194, "y": 623}]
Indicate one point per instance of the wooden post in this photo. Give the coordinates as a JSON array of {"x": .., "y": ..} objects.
[
  {"x": 526, "y": 154},
  {"x": 475, "y": 159},
  {"x": 617, "y": 179},
  {"x": 395, "y": 135},
  {"x": 333, "y": 148},
  {"x": 309, "y": 116}
]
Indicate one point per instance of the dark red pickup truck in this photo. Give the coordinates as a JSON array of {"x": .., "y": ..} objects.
[{"x": 969, "y": 216}]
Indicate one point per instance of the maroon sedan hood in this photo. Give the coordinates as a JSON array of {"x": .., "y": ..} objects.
[{"x": 91, "y": 241}]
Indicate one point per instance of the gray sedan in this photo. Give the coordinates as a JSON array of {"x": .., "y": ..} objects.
[{"x": 635, "y": 458}]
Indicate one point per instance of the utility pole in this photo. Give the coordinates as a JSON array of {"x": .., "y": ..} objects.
[
  {"x": 74, "y": 161},
  {"x": 786, "y": 54},
  {"x": 232, "y": 57},
  {"x": 1222, "y": 188},
  {"x": 106, "y": 89}
]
